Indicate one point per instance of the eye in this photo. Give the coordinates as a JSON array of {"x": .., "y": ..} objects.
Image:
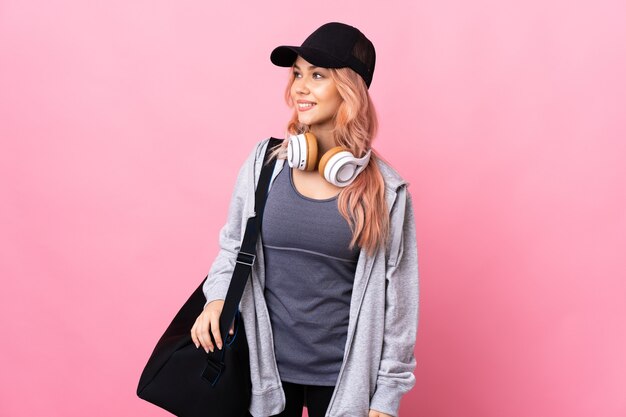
[{"x": 316, "y": 75}]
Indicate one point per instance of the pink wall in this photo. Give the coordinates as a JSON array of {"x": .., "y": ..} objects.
[{"x": 122, "y": 125}]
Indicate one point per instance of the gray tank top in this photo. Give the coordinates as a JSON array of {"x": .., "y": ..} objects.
[{"x": 309, "y": 272}]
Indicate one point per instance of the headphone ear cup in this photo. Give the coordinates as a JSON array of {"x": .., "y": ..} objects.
[
  {"x": 302, "y": 151},
  {"x": 327, "y": 162},
  {"x": 340, "y": 167},
  {"x": 311, "y": 144}
]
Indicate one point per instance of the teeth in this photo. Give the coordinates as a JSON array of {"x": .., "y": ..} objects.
[{"x": 304, "y": 105}]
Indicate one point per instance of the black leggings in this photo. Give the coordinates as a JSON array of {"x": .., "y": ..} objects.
[{"x": 315, "y": 397}]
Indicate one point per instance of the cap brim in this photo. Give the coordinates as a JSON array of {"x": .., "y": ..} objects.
[{"x": 285, "y": 56}]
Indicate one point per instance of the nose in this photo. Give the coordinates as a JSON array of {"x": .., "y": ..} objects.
[{"x": 300, "y": 86}]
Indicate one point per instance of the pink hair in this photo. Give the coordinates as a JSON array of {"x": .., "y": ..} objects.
[{"x": 362, "y": 203}]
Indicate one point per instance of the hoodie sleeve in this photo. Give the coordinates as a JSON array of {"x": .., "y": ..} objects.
[
  {"x": 395, "y": 373},
  {"x": 216, "y": 285}
]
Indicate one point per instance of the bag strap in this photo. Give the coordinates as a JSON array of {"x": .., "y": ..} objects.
[{"x": 247, "y": 252}]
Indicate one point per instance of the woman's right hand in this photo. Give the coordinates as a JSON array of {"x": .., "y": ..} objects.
[{"x": 209, "y": 321}]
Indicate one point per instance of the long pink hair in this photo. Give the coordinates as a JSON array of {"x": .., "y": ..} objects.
[{"x": 362, "y": 203}]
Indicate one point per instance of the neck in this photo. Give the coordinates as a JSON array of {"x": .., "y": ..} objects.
[{"x": 325, "y": 139}]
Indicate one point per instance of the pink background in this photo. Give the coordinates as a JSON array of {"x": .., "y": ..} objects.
[{"x": 123, "y": 124}]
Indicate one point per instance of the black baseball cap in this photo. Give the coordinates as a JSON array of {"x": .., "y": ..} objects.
[{"x": 332, "y": 45}]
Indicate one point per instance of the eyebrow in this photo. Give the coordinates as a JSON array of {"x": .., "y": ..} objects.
[{"x": 310, "y": 66}]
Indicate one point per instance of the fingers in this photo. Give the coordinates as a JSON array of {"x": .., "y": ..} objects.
[
  {"x": 203, "y": 334},
  {"x": 194, "y": 338},
  {"x": 207, "y": 323},
  {"x": 374, "y": 413},
  {"x": 200, "y": 333}
]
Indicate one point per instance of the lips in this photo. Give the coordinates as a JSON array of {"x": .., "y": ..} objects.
[{"x": 305, "y": 105}]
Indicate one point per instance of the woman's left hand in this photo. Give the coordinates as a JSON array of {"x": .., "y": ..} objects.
[{"x": 374, "y": 413}]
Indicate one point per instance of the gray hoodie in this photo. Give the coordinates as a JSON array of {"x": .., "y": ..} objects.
[{"x": 378, "y": 362}]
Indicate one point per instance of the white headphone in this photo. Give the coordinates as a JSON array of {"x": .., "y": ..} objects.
[{"x": 338, "y": 166}]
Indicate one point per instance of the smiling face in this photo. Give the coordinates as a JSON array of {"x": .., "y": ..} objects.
[{"x": 314, "y": 94}]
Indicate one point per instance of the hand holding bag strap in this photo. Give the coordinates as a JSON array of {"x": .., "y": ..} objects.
[{"x": 247, "y": 252}]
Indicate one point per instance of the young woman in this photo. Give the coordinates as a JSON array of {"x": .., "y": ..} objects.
[{"x": 331, "y": 305}]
